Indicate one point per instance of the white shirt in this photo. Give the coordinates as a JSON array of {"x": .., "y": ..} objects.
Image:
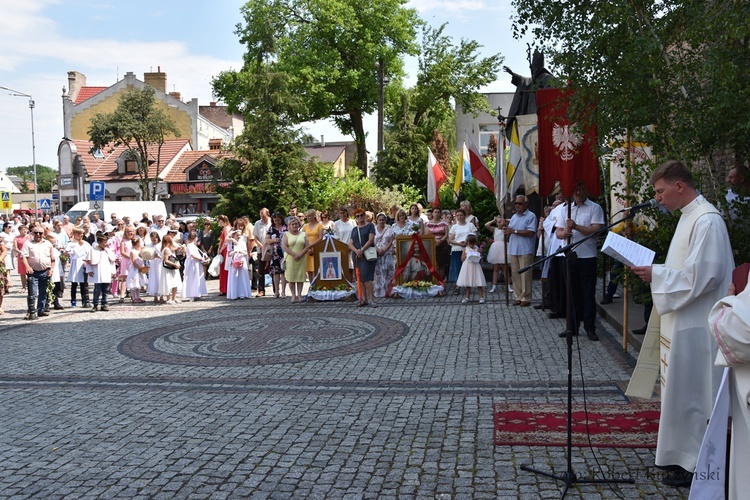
[{"x": 585, "y": 215}]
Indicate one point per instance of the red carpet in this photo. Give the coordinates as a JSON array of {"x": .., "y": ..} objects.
[{"x": 633, "y": 425}]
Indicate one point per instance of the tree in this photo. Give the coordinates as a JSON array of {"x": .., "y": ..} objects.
[
  {"x": 679, "y": 65},
  {"x": 138, "y": 124},
  {"x": 45, "y": 177},
  {"x": 329, "y": 49},
  {"x": 449, "y": 74}
]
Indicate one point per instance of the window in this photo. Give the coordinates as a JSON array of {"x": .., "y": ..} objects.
[
  {"x": 485, "y": 132},
  {"x": 98, "y": 153},
  {"x": 131, "y": 167}
]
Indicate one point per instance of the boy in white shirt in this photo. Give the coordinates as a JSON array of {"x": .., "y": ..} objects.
[{"x": 100, "y": 266}]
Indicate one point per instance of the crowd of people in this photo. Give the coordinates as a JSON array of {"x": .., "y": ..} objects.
[{"x": 170, "y": 262}]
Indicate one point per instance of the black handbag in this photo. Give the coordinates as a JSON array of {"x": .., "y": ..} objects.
[{"x": 171, "y": 260}]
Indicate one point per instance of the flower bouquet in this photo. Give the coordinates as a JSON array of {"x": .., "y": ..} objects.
[
  {"x": 342, "y": 291},
  {"x": 417, "y": 290}
]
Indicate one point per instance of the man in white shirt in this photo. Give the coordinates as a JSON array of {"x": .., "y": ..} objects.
[{"x": 586, "y": 217}]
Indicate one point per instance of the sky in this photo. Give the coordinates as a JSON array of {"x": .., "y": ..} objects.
[{"x": 191, "y": 41}]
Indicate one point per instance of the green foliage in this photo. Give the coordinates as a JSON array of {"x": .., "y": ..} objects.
[
  {"x": 45, "y": 177},
  {"x": 448, "y": 74},
  {"x": 328, "y": 50},
  {"x": 139, "y": 125}
]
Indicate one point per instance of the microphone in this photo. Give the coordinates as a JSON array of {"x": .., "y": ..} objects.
[{"x": 645, "y": 204}]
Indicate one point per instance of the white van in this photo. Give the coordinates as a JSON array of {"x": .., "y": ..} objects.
[{"x": 132, "y": 209}]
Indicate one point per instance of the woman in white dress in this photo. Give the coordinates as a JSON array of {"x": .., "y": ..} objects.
[
  {"x": 169, "y": 281},
  {"x": 194, "y": 286},
  {"x": 238, "y": 281},
  {"x": 154, "y": 270},
  {"x": 415, "y": 219}
]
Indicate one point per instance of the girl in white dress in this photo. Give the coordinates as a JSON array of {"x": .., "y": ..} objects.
[
  {"x": 496, "y": 253},
  {"x": 133, "y": 282},
  {"x": 471, "y": 274},
  {"x": 194, "y": 286},
  {"x": 169, "y": 281},
  {"x": 238, "y": 281},
  {"x": 154, "y": 270}
]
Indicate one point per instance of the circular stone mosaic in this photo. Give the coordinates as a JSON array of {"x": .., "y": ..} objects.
[{"x": 262, "y": 339}]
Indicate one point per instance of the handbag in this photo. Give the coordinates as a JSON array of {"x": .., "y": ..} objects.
[
  {"x": 370, "y": 253},
  {"x": 267, "y": 253},
  {"x": 213, "y": 269},
  {"x": 170, "y": 262}
]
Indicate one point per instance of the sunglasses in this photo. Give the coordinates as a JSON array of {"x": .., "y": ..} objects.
[
  {"x": 520, "y": 203},
  {"x": 37, "y": 233},
  {"x": 359, "y": 216}
]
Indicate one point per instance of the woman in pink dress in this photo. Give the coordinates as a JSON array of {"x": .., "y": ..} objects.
[{"x": 18, "y": 241}]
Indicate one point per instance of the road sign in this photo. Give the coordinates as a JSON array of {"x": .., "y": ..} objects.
[
  {"x": 54, "y": 196},
  {"x": 45, "y": 204},
  {"x": 6, "y": 201},
  {"x": 96, "y": 191}
]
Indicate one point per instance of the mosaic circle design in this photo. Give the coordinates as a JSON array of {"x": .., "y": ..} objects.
[{"x": 262, "y": 339}]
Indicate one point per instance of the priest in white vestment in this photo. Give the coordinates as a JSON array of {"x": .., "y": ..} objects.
[
  {"x": 729, "y": 322},
  {"x": 697, "y": 273}
]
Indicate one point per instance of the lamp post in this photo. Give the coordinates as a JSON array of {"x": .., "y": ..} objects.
[
  {"x": 381, "y": 101},
  {"x": 16, "y": 93}
]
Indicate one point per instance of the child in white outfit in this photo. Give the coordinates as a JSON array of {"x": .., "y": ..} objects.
[{"x": 471, "y": 274}]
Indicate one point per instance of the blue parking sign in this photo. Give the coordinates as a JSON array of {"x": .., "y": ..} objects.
[{"x": 96, "y": 191}]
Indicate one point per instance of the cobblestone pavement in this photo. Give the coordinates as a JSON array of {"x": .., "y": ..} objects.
[{"x": 263, "y": 399}]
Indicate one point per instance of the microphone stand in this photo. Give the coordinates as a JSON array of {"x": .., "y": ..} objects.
[{"x": 569, "y": 476}]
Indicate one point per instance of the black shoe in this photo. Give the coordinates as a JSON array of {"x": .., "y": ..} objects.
[
  {"x": 606, "y": 300},
  {"x": 564, "y": 334},
  {"x": 104, "y": 307},
  {"x": 678, "y": 478},
  {"x": 43, "y": 313},
  {"x": 94, "y": 309},
  {"x": 30, "y": 316},
  {"x": 640, "y": 331},
  {"x": 555, "y": 315},
  {"x": 87, "y": 304},
  {"x": 592, "y": 336},
  {"x": 58, "y": 306},
  {"x": 46, "y": 309}
]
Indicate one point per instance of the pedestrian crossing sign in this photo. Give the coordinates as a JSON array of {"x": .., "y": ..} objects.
[
  {"x": 45, "y": 204},
  {"x": 6, "y": 201}
]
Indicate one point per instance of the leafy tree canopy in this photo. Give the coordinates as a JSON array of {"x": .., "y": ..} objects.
[{"x": 46, "y": 177}]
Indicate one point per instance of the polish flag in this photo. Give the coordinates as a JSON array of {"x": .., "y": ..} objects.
[
  {"x": 479, "y": 170},
  {"x": 435, "y": 179}
]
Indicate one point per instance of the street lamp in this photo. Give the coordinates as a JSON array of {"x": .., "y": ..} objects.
[{"x": 33, "y": 144}]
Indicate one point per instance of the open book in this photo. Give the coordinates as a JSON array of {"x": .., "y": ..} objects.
[{"x": 626, "y": 251}]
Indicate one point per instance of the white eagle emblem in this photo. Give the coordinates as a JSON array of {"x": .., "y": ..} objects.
[{"x": 566, "y": 141}]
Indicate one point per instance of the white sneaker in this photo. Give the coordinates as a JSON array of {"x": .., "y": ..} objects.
[
  {"x": 510, "y": 289},
  {"x": 492, "y": 290},
  {"x": 481, "y": 301},
  {"x": 465, "y": 301}
]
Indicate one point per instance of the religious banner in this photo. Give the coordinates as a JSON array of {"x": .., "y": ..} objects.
[
  {"x": 566, "y": 153},
  {"x": 415, "y": 273},
  {"x": 528, "y": 138}
]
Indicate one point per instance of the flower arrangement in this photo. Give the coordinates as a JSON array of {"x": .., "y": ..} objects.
[
  {"x": 329, "y": 230},
  {"x": 422, "y": 286},
  {"x": 415, "y": 228},
  {"x": 341, "y": 287}
]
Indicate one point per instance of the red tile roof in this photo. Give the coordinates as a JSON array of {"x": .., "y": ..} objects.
[
  {"x": 189, "y": 158},
  {"x": 88, "y": 93},
  {"x": 105, "y": 169}
]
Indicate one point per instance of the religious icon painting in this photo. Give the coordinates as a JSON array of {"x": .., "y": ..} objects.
[{"x": 330, "y": 265}]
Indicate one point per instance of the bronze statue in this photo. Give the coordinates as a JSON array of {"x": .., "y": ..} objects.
[{"x": 524, "y": 101}]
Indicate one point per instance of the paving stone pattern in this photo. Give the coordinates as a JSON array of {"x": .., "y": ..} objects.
[{"x": 263, "y": 399}]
